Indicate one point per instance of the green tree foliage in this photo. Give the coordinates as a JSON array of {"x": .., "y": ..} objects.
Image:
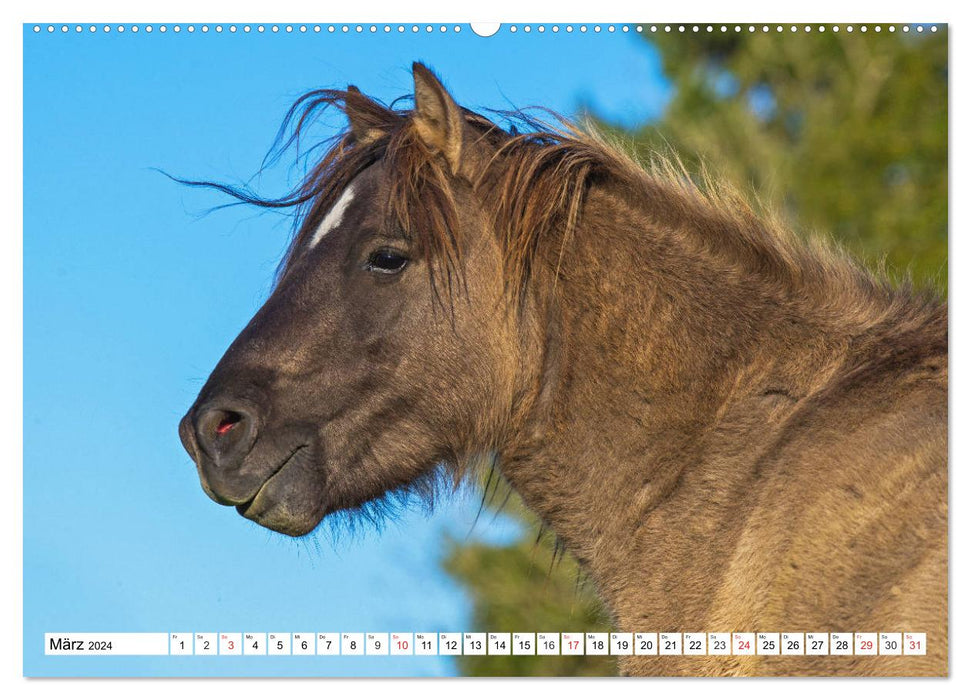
[
  {"x": 844, "y": 131},
  {"x": 847, "y": 134}
]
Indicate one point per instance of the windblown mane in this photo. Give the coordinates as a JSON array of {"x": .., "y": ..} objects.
[{"x": 534, "y": 188}]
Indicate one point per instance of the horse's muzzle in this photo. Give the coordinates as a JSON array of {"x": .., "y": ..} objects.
[{"x": 219, "y": 435}]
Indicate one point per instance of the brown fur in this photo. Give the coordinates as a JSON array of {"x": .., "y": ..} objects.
[{"x": 730, "y": 428}]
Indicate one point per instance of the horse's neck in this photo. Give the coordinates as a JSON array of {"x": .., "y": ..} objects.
[{"x": 649, "y": 348}]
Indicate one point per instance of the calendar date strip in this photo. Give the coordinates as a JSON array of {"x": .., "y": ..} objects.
[{"x": 486, "y": 644}]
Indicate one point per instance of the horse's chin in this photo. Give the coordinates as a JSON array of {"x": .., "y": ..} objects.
[
  {"x": 279, "y": 517},
  {"x": 291, "y": 501},
  {"x": 297, "y": 497}
]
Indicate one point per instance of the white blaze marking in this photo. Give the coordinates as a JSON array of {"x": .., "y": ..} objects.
[{"x": 334, "y": 216}]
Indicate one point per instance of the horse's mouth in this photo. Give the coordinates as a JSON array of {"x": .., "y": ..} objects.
[{"x": 253, "y": 508}]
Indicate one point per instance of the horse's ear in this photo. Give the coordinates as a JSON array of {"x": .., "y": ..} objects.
[
  {"x": 438, "y": 119},
  {"x": 362, "y": 127}
]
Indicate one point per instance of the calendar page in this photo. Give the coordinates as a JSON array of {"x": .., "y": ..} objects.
[{"x": 545, "y": 349}]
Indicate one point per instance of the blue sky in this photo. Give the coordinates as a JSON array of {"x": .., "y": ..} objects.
[{"x": 131, "y": 296}]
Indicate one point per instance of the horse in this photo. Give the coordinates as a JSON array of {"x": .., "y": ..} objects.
[{"x": 730, "y": 427}]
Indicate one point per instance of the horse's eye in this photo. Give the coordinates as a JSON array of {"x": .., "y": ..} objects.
[{"x": 386, "y": 261}]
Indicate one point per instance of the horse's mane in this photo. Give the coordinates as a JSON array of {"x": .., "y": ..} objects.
[{"x": 534, "y": 187}]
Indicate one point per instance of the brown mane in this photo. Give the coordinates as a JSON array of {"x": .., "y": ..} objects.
[{"x": 535, "y": 187}]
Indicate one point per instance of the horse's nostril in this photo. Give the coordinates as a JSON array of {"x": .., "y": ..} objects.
[
  {"x": 228, "y": 423},
  {"x": 225, "y": 434}
]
